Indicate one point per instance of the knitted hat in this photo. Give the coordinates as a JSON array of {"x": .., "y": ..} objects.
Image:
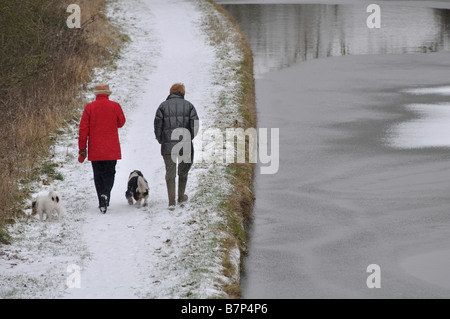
[{"x": 102, "y": 88}]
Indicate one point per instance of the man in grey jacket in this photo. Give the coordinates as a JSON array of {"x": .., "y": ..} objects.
[{"x": 175, "y": 121}]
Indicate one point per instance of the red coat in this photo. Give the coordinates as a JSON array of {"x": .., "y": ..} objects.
[{"x": 99, "y": 124}]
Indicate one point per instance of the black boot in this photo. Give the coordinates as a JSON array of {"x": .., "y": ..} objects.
[
  {"x": 182, "y": 197},
  {"x": 103, "y": 203},
  {"x": 171, "y": 193}
]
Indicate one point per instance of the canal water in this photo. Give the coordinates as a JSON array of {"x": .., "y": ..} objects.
[
  {"x": 284, "y": 34},
  {"x": 352, "y": 190}
]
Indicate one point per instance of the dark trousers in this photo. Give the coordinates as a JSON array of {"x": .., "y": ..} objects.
[
  {"x": 171, "y": 168},
  {"x": 171, "y": 173},
  {"x": 104, "y": 174}
]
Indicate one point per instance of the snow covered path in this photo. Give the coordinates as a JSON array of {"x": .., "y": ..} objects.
[
  {"x": 126, "y": 243},
  {"x": 128, "y": 252}
]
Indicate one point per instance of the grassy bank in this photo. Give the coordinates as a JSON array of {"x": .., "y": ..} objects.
[
  {"x": 237, "y": 205},
  {"x": 44, "y": 67}
]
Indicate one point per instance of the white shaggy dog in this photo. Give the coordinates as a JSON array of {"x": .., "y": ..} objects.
[
  {"x": 137, "y": 189},
  {"x": 47, "y": 205}
]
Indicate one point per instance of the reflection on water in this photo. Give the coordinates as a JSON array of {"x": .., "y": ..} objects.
[
  {"x": 431, "y": 129},
  {"x": 283, "y": 34}
]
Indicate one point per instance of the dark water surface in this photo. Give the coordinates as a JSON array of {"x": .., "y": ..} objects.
[
  {"x": 342, "y": 200},
  {"x": 284, "y": 34}
]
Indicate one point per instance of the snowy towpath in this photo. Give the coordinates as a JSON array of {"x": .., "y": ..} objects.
[
  {"x": 128, "y": 252},
  {"x": 127, "y": 243}
]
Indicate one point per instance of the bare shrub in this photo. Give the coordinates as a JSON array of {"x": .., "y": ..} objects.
[{"x": 44, "y": 66}]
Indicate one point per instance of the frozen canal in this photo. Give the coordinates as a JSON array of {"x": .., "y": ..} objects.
[{"x": 364, "y": 172}]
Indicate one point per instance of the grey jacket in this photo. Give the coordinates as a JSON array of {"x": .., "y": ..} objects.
[{"x": 175, "y": 112}]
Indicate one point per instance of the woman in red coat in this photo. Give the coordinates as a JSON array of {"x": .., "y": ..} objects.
[{"x": 99, "y": 140}]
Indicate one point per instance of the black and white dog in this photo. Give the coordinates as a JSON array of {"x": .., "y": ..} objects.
[
  {"x": 46, "y": 205},
  {"x": 137, "y": 189}
]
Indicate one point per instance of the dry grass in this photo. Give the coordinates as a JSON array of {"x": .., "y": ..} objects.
[
  {"x": 44, "y": 67},
  {"x": 238, "y": 206}
]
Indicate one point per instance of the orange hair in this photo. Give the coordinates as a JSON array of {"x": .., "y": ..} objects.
[{"x": 177, "y": 88}]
